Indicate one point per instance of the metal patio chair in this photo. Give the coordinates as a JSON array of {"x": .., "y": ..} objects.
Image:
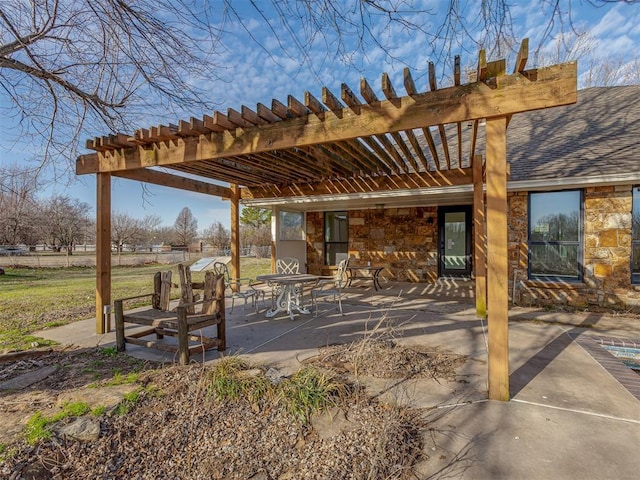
[{"x": 331, "y": 286}]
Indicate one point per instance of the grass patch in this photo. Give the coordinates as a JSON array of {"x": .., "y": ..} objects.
[
  {"x": 308, "y": 391},
  {"x": 17, "y": 340},
  {"x": 39, "y": 426},
  {"x": 35, "y": 298},
  {"x": 98, "y": 410},
  {"x": 131, "y": 399}
]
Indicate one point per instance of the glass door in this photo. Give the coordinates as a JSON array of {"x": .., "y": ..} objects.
[{"x": 454, "y": 239}]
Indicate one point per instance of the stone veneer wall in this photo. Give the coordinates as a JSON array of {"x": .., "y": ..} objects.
[
  {"x": 606, "y": 253},
  {"x": 402, "y": 240}
]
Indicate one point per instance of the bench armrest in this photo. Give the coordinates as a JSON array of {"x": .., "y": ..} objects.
[{"x": 135, "y": 297}]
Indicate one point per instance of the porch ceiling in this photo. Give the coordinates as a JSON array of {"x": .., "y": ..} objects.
[{"x": 351, "y": 145}]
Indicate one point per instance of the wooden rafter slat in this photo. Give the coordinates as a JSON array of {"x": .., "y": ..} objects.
[
  {"x": 456, "y": 82},
  {"x": 142, "y": 134},
  {"x": 210, "y": 124},
  {"x": 393, "y": 152},
  {"x": 481, "y": 72},
  {"x": 221, "y": 120},
  {"x": 331, "y": 101},
  {"x": 523, "y": 56},
  {"x": 474, "y": 139},
  {"x": 433, "y": 85},
  {"x": 369, "y": 161},
  {"x": 496, "y": 68},
  {"x": 266, "y": 114},
  {"x": 252, "y": 117},
  {"x": 410, "y": 161},
  {"x": 416, "y": 147},
  {"x": 377, "y": 164},
  {"x": 280, "y": 109},
  {"x": 350, "y": 161},
  {"x": 275, "y": 167},
  {"x": 409, "y": 84},
  {"x": 426, "y": 131},
  {"x": 94, "y": 144},
  {"x": 367, "y": 92},
  {"x": 341, "y": 165},
  {"x": 387, "y": 87},
  {"x": 236, "y": 168},
  {"x": 223, "y": 173},
  {"x": 296, "y": 107},
  {"x": 382, "y": 154},
  {"x": 315, "y": 105},
  {"x": 299, "y": 162},
  {"x": 235, "y": 117},
  {"x": 330, "y": 160},
  {"x": 350, "y": 98}
]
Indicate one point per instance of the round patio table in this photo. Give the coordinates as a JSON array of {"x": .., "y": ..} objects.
[{"x": 290, "y": 292}]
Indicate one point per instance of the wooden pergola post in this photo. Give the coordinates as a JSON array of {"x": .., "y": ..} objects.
[
  {"x": 103, "y": 250},
  {"x": 497, "y": 263},
  {"x": 479, "y": 244},
  {"x": 235, "y": 231}
]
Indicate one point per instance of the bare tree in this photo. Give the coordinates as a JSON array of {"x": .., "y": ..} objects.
[
  {"x": 18, "y": 206},
  {"x": 185, "y": 228},
  {"x": 218, "y": 236},
  {"x": 68, "y": 66},
  {"x": 64, "y": 221},
  {"x": 125, "y": 230}
]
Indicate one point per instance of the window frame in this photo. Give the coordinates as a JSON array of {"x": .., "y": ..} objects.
[
  {"x": 579, "y": 243},
  {"x": 325, "y": 242},
  {"x": 285, "y": 235},
  {"x": 635, "y": 195}
]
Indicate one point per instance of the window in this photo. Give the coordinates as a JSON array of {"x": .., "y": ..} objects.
[
  {"x": 336, "y": 239},
  {"x": 555, "y": 235},
  {"x": 291, "y": 225},
  {"x": 635, "y": 238}
]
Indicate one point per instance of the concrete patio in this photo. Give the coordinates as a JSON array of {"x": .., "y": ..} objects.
[{"x": 575, "y": 409}]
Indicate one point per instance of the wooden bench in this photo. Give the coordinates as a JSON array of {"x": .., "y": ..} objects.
[{"x": 180, "y": 323}]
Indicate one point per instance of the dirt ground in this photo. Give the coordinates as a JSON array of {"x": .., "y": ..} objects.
[{"x": 175, "y": 429}]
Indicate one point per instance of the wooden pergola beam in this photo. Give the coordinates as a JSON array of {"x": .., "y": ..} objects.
[
  {"x": 530, "y": 90},
  {"x": 497, "y": 259},
  {"x": 174, "y": 181},
  {"x": 103, "y": 249}
]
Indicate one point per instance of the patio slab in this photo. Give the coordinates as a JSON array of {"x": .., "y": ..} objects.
[{"x": 569, "y": 417}]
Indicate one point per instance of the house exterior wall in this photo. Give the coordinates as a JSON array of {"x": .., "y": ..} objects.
[
  {"x": 405, "y": 241},
  {"x": 606, "y": 253},
  {"x": 402, "y": 240}
]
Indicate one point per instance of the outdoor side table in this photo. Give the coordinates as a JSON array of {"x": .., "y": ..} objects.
[{"x": 364, "y": 273}]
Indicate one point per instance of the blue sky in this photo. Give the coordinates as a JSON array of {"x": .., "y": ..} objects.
[{"x": 249, "y": 74}]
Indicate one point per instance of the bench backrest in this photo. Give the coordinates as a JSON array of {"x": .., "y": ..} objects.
[{"x": 161, "y": 290}]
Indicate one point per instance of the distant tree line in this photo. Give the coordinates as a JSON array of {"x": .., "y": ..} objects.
[{"x": 61, "y": 223}]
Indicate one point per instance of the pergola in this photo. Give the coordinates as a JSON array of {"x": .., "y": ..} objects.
[{"x": 348, "y": 145}]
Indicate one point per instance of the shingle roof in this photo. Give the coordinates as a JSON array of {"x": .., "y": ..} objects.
[{"x": 599, "y": 135}]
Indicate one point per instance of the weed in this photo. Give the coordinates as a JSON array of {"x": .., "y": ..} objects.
[
  {"x": 310, "y": 390},
  {"x": 108, "y": 351},
  {"x": 39, "y": 426},
  {"x": 17, "y": 339},
  {"x": 119, "y": 379},
  {"x": 98, "y": 410},
  {"x": 128, "y": 402},
  {"x": 7, "y": 452},
  {"x": 227, "y": 382}
]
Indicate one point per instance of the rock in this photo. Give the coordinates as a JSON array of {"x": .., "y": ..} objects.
[
  {"x": 274, "y": 375},
  {"x": 331, "y": 423},
  {"x": 251, "y": 373},
  {"x": 85, "y": 429}
]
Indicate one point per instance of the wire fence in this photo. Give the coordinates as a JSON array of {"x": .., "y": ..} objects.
[{"x": 85, "y": 256}]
